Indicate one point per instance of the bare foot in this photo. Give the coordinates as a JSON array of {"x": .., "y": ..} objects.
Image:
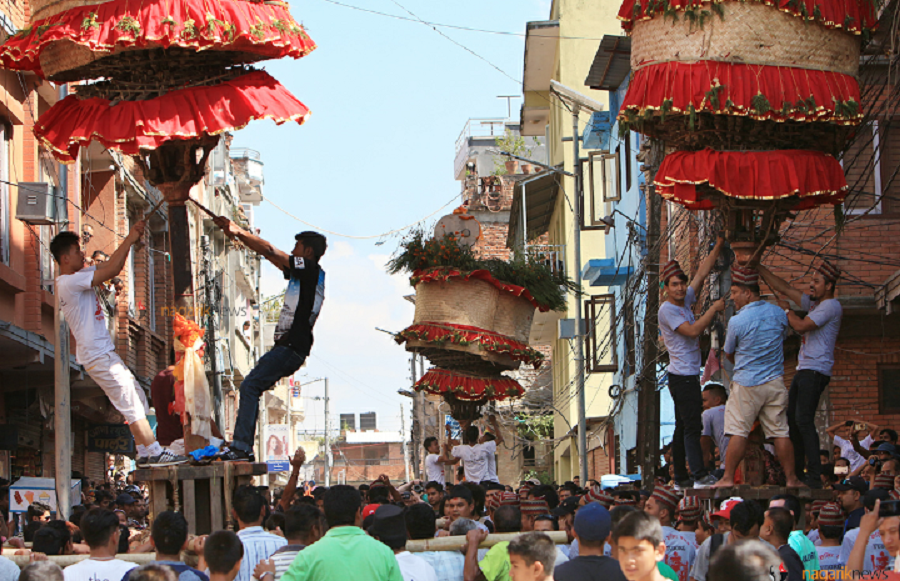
[
  {"x": 723, "y": 483},
  {"x": 795, "y": 483}
]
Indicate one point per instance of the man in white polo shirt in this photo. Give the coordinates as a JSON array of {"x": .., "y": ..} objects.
[
  {"x": 819, "y": 330},
  {"x": 681, "y": 334}
]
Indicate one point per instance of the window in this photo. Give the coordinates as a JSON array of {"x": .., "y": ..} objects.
[
  {"x": 602, "y": 187},
  {"x": 600, "y": 318},
  {"x": 870, "y": 164},
  {"x": 888, "y": 389}
]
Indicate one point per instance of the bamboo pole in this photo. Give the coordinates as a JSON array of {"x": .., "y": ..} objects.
[
  {"x": 65, "y": 560},
  {"x": 457, "y": 543}
]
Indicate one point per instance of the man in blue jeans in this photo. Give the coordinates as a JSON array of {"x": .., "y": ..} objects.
[
  {"x": 819, "y": 330},
  {"x": 293, "y": 333},
  {"x": 681, "y": 334}
]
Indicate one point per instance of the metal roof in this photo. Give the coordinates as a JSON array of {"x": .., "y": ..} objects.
[
  {"x": 540, "y": 200},
  {"x": 611, "y": 65}
]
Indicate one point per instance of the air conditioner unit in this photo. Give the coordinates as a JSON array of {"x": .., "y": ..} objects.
[{"x": 37, "y": 203}]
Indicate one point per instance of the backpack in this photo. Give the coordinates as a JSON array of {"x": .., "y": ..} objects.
[{"x": 716, "y": 541}]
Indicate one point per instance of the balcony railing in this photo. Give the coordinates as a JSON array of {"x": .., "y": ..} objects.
[{"x": 553, "y": 255}]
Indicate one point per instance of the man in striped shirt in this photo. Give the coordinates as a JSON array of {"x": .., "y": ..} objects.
[
  {"x": 249, "y": 509},
  {"x": 304, "y": 524}
]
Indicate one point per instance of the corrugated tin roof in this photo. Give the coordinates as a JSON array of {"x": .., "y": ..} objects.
[
  {"x": 540, "y": 200},
  {"x": 611, "y": 65}
]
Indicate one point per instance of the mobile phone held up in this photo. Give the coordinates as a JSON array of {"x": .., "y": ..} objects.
[
  {"x": 841, "y": 470},
  {"x": 889, "y": 508}
]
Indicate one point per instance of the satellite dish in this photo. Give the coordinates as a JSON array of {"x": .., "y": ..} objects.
[{"x": 464, "y": 227}]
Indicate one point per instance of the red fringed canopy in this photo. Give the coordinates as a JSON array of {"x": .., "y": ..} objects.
[
  {"x": 469, "y": 387},
  {"x": 445, "y": 274},
  {"x": 851, "y": 15},
  {"x": 132, "y": 126},
  {"x": 265, "y": 29},
  {"x": 816, "y": 178},
  {"x": 757, "y": 91},
  {"x": 465, "y": 335}
]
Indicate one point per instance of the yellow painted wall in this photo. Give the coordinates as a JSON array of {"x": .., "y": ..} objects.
[{"x": 584, "y": 19}]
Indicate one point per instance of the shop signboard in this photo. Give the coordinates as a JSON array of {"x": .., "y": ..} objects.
[
  {"x": 277, "y": 448},
  {"x": 110, "y": 438}
]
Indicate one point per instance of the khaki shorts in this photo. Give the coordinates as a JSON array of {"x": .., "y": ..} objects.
[{"x": 768, "y": 402}]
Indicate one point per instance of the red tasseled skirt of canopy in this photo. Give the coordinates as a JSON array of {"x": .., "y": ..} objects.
[
  {"x": 854, "y": 16},
  {"x": 132, "y": 126},
  {"x": 757, "y": 91},
  {"x": 441, "y": 333},
  {"x": 468, "y": 387},
  {"x": 265, "y": 29},
  {"x": 814, "y": 177}
]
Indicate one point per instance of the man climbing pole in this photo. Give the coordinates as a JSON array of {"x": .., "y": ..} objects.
[
  {"x": 293, "y": 333},
  {"x": 78, "y": 288},
  {"x": 819, "y": 330},
  {"x": 681, "y": 334}
]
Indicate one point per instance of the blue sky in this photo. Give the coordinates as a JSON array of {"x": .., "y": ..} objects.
[{"x": 388, "y": 100}]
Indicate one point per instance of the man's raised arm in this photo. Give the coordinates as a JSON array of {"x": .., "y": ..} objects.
[
  {"x": 255, "y": 243},
  {"x": 706, "y": 266},
  {"x": 116, "y": 262},
  {"x": 780, "y": 285}
]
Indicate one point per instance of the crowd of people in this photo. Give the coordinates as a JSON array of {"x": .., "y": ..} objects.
[{"x": 565, "y": 532}]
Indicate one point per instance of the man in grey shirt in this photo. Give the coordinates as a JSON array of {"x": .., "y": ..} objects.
[
  {"x": 714, "y": 398},
  {"x": 681, "y": 334},
  {"x": 819, "y": 330}
]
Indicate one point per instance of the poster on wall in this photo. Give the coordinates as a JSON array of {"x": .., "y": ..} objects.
[{"x": 276, "y": 451}]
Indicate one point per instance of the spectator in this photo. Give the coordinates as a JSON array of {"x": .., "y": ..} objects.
[
  {"x": 754, "y": 342},
  {"x": 617, "y": 514},
  {"x": 103, "y": 499},
  {"x": 124, "y": 540},
  {"x": 831, "y": 529},
  {"x": 887, "y": 528},
  {"x": 777, "y": 527},
  {"x": 531, "y": 557},
  {"x": 591, "y": 525},
  {"x": 434, "y": 463},
  {"x": 546, "y": 523},
  {"x": 389, "y": 527},
  {"x": 565, "y": 512},
  {"x": 249, "y": 509},
  {"x": 850, "y": 495},
  {"x": 679, "y": 547},
  {"x": 877, "y": 556},
  {"x": 681, "y": 334},
  {"x": 639, "y": 545},
  {"x": 886, "y": 436},
  {"x": 169, "y": 536},
  {"x": 304, "y": 524},
  {"x": 54, "y": 538},
  {"x": 100, "y": 528},
  {"x": 461, "y": 504},
  {"x": 420, "y": 524},
  {"x": 223, "y": 552},
  {"x": 797, "y": 540},
  {"x": 713, "y": 434},
  {"x": 842, "y": 434},
  {"x": 745, "y": 519},
  {"x": 37, "y": 514},
  {"x": 531, "y": 509},
  {"x": 747, "y": 561},
  {"x": 689, "y": 512},
  {"x": 37, "y": 571},
  {"x": 494, "y": 565},
  {"x": 327, "y": 560},
  {"x": 435, "y": 492},
  {"x": 152, "y": 572},
  {"x": 275, "y": 523}
]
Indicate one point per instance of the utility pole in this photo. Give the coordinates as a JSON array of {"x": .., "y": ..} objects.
[
  {"x": 263, "y": 410},
  {"x": 420, "y": 428},
  {"x": 62, "y": 418},
  {"x": 648, "y": 396},
  {"x": 403, "y": 435},
  {"x": 211, "y": 337},
  {"x": 579, "y": 340},
  {"x": 327, "y": 441},
  {"x": 416, "y": 401}
]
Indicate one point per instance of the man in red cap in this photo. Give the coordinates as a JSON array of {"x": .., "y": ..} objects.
[
  {"x": 755, "y": 344},
  {"x": 819, "y": 329},
  {"x": 681, "y": 334}
]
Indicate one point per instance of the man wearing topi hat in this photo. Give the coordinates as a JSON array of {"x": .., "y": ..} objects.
[
  {"x": 681, "y": 334},
  {"x": 819, "y": 329},
  {"x": 755, "y": 344}
]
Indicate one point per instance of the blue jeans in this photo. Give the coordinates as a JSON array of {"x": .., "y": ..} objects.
[
  {"x": 685, "y": 391},
  {"x": 271, "y": 367}
]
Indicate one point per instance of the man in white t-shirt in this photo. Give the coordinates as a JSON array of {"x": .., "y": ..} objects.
[
  {"x": 876, "y": 557},
  {"x": 471, "y": 453},
  {"x": 681, "y": 334},
  {"x": 714, "y": 398},
  {"x": 77, "y": 287},
  {"x": 100, "y": 529},
  {"x": 434, "y": 463},
  {"x": 488, "y": 444},
  {"x": 818, "y": 330},
  {"x": 681, "y": 547},
  {"x": 841, "y": 434}
]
